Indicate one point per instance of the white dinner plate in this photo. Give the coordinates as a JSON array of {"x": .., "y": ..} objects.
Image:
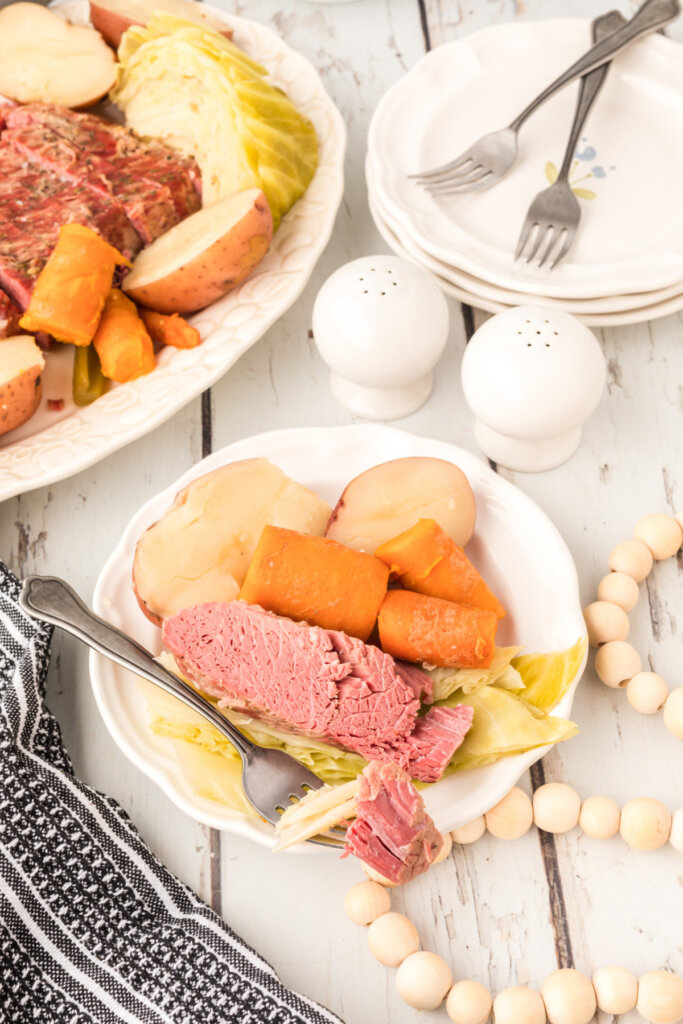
[
  {"x": 53, "y": 444},
  {"x": 515, "y": 546},
  {"x": 615, "y": 304},
  {"x": 629, "y": 157},
  {"x": 472, "y": 297}
]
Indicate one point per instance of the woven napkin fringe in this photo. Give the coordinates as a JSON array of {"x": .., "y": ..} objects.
[{"x": 93, "y": 928}]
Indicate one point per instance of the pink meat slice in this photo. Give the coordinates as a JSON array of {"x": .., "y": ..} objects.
[
  {"x": 10, "y": 314},
  {"x": 392, "y": 832},
  {"x": 318, "y": 682},
  {"x": 435, "y": 739}
]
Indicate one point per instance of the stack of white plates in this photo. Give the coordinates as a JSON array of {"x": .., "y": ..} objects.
[{"x": 626, "y": 264}]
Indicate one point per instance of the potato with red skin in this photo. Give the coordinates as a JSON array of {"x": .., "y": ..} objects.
[
  {"x": 388, "y": 499},
  {"x": 21, "y": 364},
  {"x": 112, "y": 18},
  {"x": 44, "y": 58},
  {"x": 204, "y": 256}
]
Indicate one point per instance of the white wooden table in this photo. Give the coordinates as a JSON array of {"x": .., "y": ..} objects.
[{"x": 501, "y": 913}]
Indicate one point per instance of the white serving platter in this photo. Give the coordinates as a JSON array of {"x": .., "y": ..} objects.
[
  {"x": 55, "y": 444},
  {"x": 515, "y": 546}
]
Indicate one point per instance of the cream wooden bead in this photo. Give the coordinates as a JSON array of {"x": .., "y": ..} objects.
[
  {"x": 468, "y": 1003},
  {"x": 374, "y": 876},
  {"x": 445, "y": 849},
  {"x": 556, "y": 807},
  {"x": 512, "y": 817},
  {"x": 569, "y": 997},
  {"x": 619, "y": 588},
  {"x": 673, "y": 712},
  {"x": 645, "y": 823},
  {"x": 423, "y": 980},
  {"x": 660, "y": 533},
  {"x": 647, "y": 693},
  {"x": 616, "y": 990},
  {"x": 660, "y": 997},
  {"x": 632, "y": 557},
  {"x": 676, "y": 837},
  {"x": 391, "y": 938},
  {"x": 599, "y": 817},
  {"x": 616, "y": 662},
  {"x": 470, "y": 832},
  {"x": 518, "y": 1005},
  {"x": 366, "y": 901},
  {"x": 605, "y": 621}
]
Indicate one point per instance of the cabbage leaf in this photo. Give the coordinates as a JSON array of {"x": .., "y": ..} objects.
[
  {"x": 193, "y": 89},
  {"x": 446, "y": 681}
]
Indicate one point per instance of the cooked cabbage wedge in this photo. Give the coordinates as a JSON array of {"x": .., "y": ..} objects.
[
  {"x": 547, "y": 677},
  {"x": 199, "y": 93},
  {"x": 506, "y": 722},
  {"x": 446, "y": 681}
]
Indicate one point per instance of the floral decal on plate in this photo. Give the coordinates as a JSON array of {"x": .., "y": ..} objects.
[{"x": 585, "y": 155}]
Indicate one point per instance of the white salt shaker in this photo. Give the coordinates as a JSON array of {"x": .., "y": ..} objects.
[
  {"x": 532, "y": 376},
  {"x": 380, "y": 324}
]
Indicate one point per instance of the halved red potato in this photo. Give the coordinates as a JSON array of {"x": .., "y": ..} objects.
[
  {"x": 44, "y": 58},
  {"x": 21, "y": 364},
  {"x": 203, "y": 257},
  {"x": 390, "y": 498},
  {"x": 113, "y": 17}
]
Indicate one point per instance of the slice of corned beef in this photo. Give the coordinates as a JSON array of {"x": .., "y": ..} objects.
[
  {"x": 435, "y": 739},
  {"x": 322, "y": 683},
  {"x": 149, "y": 183},
  {"x": 34, "y": 204},
  {"x": 392, "y": 832}
]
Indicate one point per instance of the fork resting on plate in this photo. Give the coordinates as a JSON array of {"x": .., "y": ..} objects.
[
  {"x": 492, "y": 156},
  {"x": 271, "y": 779}
]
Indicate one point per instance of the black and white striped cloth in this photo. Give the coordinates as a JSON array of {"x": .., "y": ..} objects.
[{"x": 93, "y": 928}]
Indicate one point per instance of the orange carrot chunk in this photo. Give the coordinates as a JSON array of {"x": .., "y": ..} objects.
[
  {"x": 316, "y": 580},
  {"x": 427, "y": 629},
  {"x": 71, "y": 289},
  {"x": 122, "y": 342},
  {"x": 425, "y": 559},
  {"x": 170, "y": 330}
]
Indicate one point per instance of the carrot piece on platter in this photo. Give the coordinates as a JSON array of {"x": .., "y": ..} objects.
[
  {"x": 419, "y": 628},
  {"x": 71, "y": 289},
  {"x": 121, "y": 341},
  {"x": 317, "y": 580},
  {"x": 424, "y": 558},
  {"x": 170, "y": 329}
]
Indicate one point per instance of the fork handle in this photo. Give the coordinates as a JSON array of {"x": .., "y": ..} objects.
[
  {"x": 51, "y": 599},
  {"x": 591, "y": 84},
  {"x": 652, "y": 15}
]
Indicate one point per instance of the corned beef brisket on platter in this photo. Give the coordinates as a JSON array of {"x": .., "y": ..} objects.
[
  {"x": 318, "y": 683},
  {"x": 58, "y": 166}
]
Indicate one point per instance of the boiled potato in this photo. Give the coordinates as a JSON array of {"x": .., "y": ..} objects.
[
  {"x": 21, "y": 364},
  {"x": 204, "y": 256},
  {"x": 44, "y": 58},
  {"x": 391, "y": 497},
  {"x": 201, "y": 549}
]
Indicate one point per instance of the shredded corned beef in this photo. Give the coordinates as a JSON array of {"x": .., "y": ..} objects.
[
  {"x": 392, "y": 832},
  {"x": 318, "y": 682}
]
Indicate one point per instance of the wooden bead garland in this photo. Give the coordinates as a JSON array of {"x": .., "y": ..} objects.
[
  {"x": 617, "y": 663},
  {"x": 424, "y": 980}
]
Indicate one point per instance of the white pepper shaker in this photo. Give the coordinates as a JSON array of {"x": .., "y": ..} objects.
[
  {"x": 380, "y": 324},
  {"x": 532, "y": 376}
]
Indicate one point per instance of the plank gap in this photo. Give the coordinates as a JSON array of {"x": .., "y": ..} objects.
[
  {"x": 468, "y": 321},
  {"x": 207, "y": 425},
  {"x": 558, "y": 909},
  {"x": 424, "y": 24}
]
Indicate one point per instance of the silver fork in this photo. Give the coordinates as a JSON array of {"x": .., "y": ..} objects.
[
  {"x": 492, "y": 156},
  {"x": 555, "y": 212},
  {"x": 271, "y": 779}
]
